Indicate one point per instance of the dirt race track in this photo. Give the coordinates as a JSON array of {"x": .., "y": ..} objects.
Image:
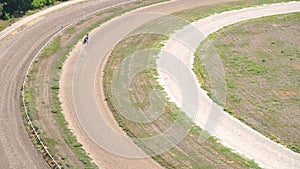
[
  {"x": 18, "y": 50},
  {"x": 92, "y": 117}
]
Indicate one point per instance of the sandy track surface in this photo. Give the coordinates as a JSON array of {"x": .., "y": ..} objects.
[
  {"x": 230, "y": 131},
  {"x": 35, "y": 17},
  {"x": 17, "y": 51},
  {"x": 83, "y": 103}
]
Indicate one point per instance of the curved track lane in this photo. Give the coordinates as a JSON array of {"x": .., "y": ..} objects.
[
  {"x": 17, "y": 51},
  {"x": 232, "y": 133},
  {"x": 91, "y": 117},
  {"x": 85, "y": 110}
]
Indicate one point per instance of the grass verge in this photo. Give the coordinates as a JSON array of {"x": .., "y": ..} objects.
[
  {"x": 261, "y": 59},
  {"x": 197, "y": 13},
  {"x": 168, "y": 159},
  {"x": 189, "y": 153},
  {"x": 3, "y": 24}
]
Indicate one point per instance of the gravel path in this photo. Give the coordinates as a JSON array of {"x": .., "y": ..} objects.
[{"x": 231, "y": 132}]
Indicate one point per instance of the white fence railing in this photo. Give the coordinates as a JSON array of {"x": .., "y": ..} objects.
[{"x": 30, "y": 67}]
